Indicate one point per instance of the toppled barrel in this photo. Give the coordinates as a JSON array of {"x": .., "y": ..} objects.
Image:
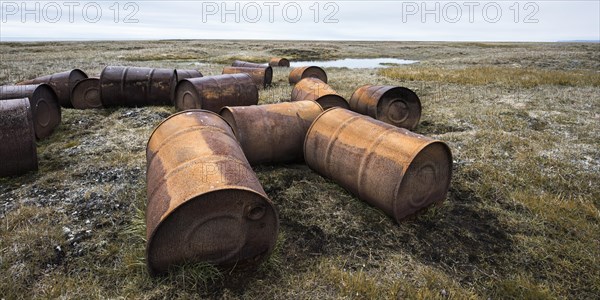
[
  {"x": 245, "y": 64},
  {"x": 300, "y": 73},
  {"x": 18, "y": 154},
  {"x": 183, "y": 74},
  {"x": 262, "y": 77},
  {"x": 272, "y": 133},
  {"x": 205, "y": 203},
  {"x": 279, "y": 62},
  {"x": 136, "y": 86},
  {"x": 86, "y": 94},
  {"x": 62, "y": 84},
  {"x": 43, "y": 102},
  {"x": 398, "y": 171},
  {"x": 313, "y": 89},
  {"x": 215, "y": 92},
  {"x": 394, "y": 105}
]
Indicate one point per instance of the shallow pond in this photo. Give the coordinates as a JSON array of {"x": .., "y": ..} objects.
[{"x": 355, "y": 63}]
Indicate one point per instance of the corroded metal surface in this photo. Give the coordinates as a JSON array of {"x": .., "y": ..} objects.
[
  {"x": 135, "y": 86},
  {"x": 183, "y": 74},
  {"x": 272, "y": 133},
  {"x": 313, "y": 89},
  {"x": 279, "y": 62},
  {"x": 18, "y": 154},
  {"x": 398, "y": 171},
  {"x": 262, "y": 77},
  {"x": 245, "y": 64},
  {"x": 86, "y": 94},
  {"x": 300, "y": 73},
  {"x": 394, "y": 105},
  {"x": 62, "y": 84},
  {"x": 43, "y": 102},
  {"x": 205, "y": 203},
  {"x": 215, "y": 92}
]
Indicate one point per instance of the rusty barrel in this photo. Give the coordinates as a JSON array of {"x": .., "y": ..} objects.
[
  {"x": 262, "y": 77},
  {"x": 279, "y": 62},
  {"x": 62, "y": 84},
  {"x": 398, "y": 171},
  {"x": 18, "y": 154},
  {"x": 313, "y": 89},
  {"x": 245, "y": 64},
  {"x": 272, "y": 133},
  {"x": 394, "y": 105},
  {"x": 205, "y": 203},
  {"x": 43, "y": 102},
  {"x": 86, "y": 94},
  {"x": 136, "y": 86},
  {"x": 183, "y": 74},
  {"x": 300, "y": 73},
  {"x": 215, "y": 92}
]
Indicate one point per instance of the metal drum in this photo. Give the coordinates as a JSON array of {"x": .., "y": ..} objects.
[
  {"x": 183, "y": 74},
  {"x": 245, "y": 64},
  {"x": 43, "y": 102},
  {"x": 86, "y": 94},
  {"x": 18, "y": 154},
  {"x": 272, "y": 133},
  {"x": 394, "y": 105},
  {"x": 215, "y": 92},
  {"x": 313, "y": 89},
  {"x": 300, "y": 73},
  {"x": 62, "y": 84},
  {"x": 205, "y": 203},
  {"x": 398, "y": 171},
  {"x": 262, "y": 77},
  {"x": 135, "y": 86},
  {"x": 279, "y": 62}
]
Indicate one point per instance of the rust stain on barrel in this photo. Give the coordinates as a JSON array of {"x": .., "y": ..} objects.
[
  {"x": 272, "y": 133},
  {"x": 300, "y": 73},
  {"x": 44, "y": 105},
  {"x": 394, "y": 105},
  {"x": 215, "y": 92},
  {"x": 18, "y": 153},
  {"x": 205, "y": 203},
  {"x": 396, "y": 170},
  {"x": 262, "y": 77},
  {"x": 313, "y": 89},
  {"x": 279, "y": 62},
  {"x": 62, "y": 84},
  {"x": 86, "y": 94},
  {"x": 136, "y": 86},
  {"x": 245, "y": 64}
]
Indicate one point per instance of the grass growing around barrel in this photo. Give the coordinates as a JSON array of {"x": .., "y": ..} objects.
[{"x": 521, "y": 221}]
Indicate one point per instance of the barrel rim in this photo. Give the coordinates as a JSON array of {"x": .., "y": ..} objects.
[
  {"x": 412, "y": 158},
  {"x": 150, "y": 237},
  {"x": 178, "y": 113},
  {"x": 401, "y": 89}
]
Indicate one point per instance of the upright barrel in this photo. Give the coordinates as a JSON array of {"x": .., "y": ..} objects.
[
  {"x": 394, "y": 105},
  {"x": 398, "y": 171},
  {"x": 62, "y": 84},
  {"x": 136, "y": 86},
  {"x": 215, "y": 92},
  {"x": 18, "y": 153},
  {"x": 245, "y": 64},
  {"x": 86, "y": 94},
  {"x": 43, "y": 102},
  {"x": 262, "y": 77},
  {"x": 205, "y": 203},
  {"x": 300, "y": 73},
  {"x": 279, "y": 62},
  {"x": 313, "y": 89},
  {"x": 272, "y": 133}
]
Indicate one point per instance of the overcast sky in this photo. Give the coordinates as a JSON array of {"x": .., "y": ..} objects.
[{"x": 303, "y": 20}]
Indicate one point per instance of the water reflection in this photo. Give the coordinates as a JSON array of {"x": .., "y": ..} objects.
[{"x": 355, "y": 63}]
